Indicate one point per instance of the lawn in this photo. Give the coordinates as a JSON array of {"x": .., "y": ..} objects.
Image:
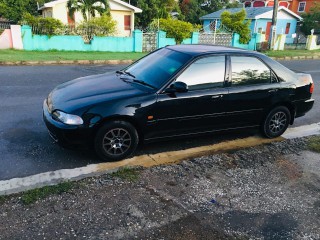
[{"x": 16, "y": 55}]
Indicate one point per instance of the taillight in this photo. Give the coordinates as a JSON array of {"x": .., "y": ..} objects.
[{"x": 311, "y": 88}]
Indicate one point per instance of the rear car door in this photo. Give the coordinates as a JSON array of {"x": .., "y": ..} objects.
[
  {"x": 253, "y": 88},
  {"x": 200, "y": 109}
]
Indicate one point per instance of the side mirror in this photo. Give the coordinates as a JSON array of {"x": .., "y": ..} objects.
[{"x": 179, "y": 87}]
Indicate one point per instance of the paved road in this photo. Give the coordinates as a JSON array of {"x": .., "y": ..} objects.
[{"x": 26, "y": 148}]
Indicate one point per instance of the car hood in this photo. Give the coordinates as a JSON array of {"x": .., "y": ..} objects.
[{"x": 86, "y": 91}]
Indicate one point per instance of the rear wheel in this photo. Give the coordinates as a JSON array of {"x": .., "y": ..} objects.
[
  {"x": 276, "y": 122},
  {"x": 116, "y": 140}
]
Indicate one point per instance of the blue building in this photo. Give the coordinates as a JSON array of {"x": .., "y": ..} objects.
[{"x": 260, "y": 18}]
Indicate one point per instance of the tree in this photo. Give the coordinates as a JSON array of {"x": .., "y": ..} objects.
[
  {"x": 237, "y": 22},
  {"x": 311, "y": 20},
  {"x": 194, "y": 9},
  {"x": 14, "y": 9},
  {"x": 88, "y": 8}
]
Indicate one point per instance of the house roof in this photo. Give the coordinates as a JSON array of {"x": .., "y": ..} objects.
[
  {"x": 252, "y": 12},
  {"x": 124, "y": 4}
]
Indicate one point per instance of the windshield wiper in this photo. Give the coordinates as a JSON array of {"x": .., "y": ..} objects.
[
  {"x": 125, "y": 72},
  {"x": 143, "y": 83}
]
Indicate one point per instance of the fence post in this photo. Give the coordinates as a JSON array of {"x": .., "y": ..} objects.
[
  {"x": 195, "y": 38},
  {"x": 16, "y": 37},
  {"x": 137, "y": 41},
  {"x": 27, "y": 37},
  {"x": 161, "y": 39}
]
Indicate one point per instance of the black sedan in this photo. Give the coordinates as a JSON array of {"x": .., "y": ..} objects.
[{"x": 177, "y": 91}]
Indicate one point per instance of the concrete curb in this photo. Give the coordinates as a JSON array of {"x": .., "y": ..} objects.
[
  {"x": 51, "y": 178},
  {"x": 65, "y": 62}
]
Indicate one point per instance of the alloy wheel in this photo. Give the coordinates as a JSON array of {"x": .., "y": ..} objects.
[{"x": 117, "y": 141}]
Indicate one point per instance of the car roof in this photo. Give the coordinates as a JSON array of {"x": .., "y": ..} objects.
[{"x": 199, "y": 49}]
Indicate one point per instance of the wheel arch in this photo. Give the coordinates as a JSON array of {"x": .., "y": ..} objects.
[
  {"x": 288, "y": 105},
  {"x": 128, "y": 119}
]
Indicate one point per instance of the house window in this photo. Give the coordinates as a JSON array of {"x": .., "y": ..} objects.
[
  {"x": 127, "y": 22},
  {"x": 302, "y": 6},
  {"x": 287, "y": 28}
]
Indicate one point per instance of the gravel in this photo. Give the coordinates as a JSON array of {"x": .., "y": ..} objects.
[{"x": 266, "y": 192}]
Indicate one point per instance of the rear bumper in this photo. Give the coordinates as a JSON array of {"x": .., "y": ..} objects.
[
  {"x": 302, "y": 107},
  {"x": 63, "y": 134}
]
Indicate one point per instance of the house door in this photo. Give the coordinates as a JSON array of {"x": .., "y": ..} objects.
[
  {"x": 71, "y": 21},
  {"x": 268, "y": 30}
]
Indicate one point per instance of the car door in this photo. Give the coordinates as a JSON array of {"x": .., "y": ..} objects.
[
  {"x": 201, "y": 108},
  {"x": 253, "y": 89}
]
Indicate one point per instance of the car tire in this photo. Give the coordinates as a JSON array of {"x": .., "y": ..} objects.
[
  {"x": 276, "y": 122},
  {"x": 116, "y": 140}
]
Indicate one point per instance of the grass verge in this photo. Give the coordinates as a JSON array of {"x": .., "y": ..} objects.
[
  {"x": 314, "y": 144},
  {"x": 32, "y": 196},
  {"x": 292, "y": 53},
  {"x": 20, "y": 55},
  {"x": 130, "y": 174}
]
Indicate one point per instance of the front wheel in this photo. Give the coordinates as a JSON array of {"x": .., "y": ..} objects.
[
  {"x": 276, "y": 122},
  {"x": 116, "y": 140}
]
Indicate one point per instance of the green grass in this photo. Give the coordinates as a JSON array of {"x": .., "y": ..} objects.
[
  {"x": 20, "y": 55},
  {"x": 125, "y": 173},
  {"x": 292, "y": 53},
  {"x": 314, "y": 144},
  {"x": 2, "y": 199},
  {"x": 32, "y": 196}
]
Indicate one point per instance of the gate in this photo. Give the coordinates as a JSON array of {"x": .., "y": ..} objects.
[
  {"x": 222, "y": 39},
  {"x": 149, "y": 42}
]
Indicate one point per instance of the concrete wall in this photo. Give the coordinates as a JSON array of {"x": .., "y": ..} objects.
[
  {"x": 11, "y": 38},
  {"x": 6, "y": 39},
  {"x": 76, "y": 43},
  {"x": 252, "y": 45},
  {"x": 164, "y": 41}
]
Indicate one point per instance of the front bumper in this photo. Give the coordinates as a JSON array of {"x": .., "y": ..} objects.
[{"x": 65, "y": 135}]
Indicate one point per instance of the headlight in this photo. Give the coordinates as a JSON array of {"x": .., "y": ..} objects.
[{"x": 68, "y": 118}]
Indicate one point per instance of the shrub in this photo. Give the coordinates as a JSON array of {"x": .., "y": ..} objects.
[
  {"x": 176, "y": 29},
  {"x": 100, "y": 26},
  {"x": 236, "y": 22},
  {"x": 40, "y": 25}
]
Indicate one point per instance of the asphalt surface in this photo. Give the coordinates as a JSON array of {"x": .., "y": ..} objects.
[{"x": 26, "y": 148}]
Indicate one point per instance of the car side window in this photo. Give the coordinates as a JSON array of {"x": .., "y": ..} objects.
[
  {"x": 204, "y": 73},
  {"x": 249, "y": 71}
]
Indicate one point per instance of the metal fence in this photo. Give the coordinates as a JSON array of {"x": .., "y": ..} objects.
[
  {"x": 222, "y": 39},
  {"x": 5, "y": 25},
  {"x": 149, "y": 42}
]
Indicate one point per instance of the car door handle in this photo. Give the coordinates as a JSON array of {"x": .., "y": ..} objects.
[
  {"x": 216, "y": 96},
  {"x": 273, "y": 90}
]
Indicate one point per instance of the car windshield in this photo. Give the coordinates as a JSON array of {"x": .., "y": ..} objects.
[{"x": 158, "y": 67}]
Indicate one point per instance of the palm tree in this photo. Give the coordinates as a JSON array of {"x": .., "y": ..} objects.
[{"x": 88, "y": 8}]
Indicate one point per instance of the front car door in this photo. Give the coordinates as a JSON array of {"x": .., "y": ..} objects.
[{"x": 199, "y": 110}]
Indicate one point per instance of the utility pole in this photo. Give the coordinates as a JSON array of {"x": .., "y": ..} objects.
[{"x": 274, "y": 24}]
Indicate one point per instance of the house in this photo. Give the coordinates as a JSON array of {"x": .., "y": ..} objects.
[
  {"x": 296, "y": 6},
  {"x": 122, "y": 12},
  {"x": 261, "y": 18}
]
